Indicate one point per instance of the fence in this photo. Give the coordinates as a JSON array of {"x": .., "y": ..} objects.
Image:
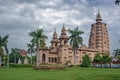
[{"x": 113, "y": 64}]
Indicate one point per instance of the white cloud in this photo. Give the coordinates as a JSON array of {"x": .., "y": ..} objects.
[{"x": 18, "y": 17}]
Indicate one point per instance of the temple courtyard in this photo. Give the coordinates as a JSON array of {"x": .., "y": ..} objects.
[{"x": 77, "y": 73}]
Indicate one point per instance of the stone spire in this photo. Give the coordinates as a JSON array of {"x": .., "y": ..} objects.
[
  {"x": 63, "y": 37},
  {"x": 63, "y": 32},
  {"x": 54, "y": 39},
  {"x": 98, "y": 17},
  {"x": 55, "y": 36}
]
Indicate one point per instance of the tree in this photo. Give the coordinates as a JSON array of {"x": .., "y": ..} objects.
[
  {"x": 1, "y": 53},
  {"x": 38, "y": 39},
  {"x": 34, "y": 59},
  {"x": 5, "y": 39},
  {"x": 15, "y": 53},
  {"x": 117, "y": 2},
  {"x": 75, "y": 40},
  {"x": 4, "y": 60},
  {"x": 116, "y": 52},
  {"x": 3, "y": 43},
  {"x": 86, "y": 61},
  {"x": 118, "y": 57},
  {"x": 30, "y": 50},
  {"x": 97, "y": 58},
  {"x": 106, "y": 58}
]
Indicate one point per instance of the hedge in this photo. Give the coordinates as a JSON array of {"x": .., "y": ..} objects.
[{"x": 20, "y": 65}]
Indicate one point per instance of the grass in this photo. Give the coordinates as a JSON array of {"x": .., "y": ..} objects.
[{"x": 66, "y": 74}]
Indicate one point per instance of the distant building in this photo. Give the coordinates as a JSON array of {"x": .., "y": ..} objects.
[
  {"x": 60, "y": 52},
  {"x": 23, "y": 53}
]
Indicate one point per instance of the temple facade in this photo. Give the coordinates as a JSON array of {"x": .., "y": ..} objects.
[{"x": 61, "y": 52}]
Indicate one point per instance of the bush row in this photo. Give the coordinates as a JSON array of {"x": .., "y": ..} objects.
[{"x": 21, "y": 65}]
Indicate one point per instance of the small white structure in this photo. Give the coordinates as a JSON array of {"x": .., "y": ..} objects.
[
  {"x": 25, "y": 60},
  {"x": 19, "y": 61},
  {"x": 114, "y": 59}
]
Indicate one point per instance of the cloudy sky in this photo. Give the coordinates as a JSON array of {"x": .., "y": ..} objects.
[{"x": 19, "y": 17}]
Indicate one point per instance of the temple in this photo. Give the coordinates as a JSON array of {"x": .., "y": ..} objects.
[
  {"x": 61, "y": 52},
  {"x": 99, "y": 36}
]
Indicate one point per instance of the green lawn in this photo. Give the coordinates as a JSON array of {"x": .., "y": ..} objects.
[{"x": 67, "y": 74}]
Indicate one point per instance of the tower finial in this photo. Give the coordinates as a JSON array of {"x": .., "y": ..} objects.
[
  {"x": 55, "y": 29},
  {"x": 98, "y": 18},
  {"x": 63, "y": 24},
  {"x": 99, "y": 11},
  {"x": 55, "y": 34}
]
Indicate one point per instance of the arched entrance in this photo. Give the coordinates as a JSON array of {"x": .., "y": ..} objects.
[{"x": 43, "y": 58}]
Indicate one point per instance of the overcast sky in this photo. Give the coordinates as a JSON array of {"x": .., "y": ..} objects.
[{"x": 19, "y": 17}]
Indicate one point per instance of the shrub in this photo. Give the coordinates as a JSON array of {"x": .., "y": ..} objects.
[
  {"x": 98, "y": 58},
  {"x": 21, "y": 65},
  {"x": 86, "y": 61}
]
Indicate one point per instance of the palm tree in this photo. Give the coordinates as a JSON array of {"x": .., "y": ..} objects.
[
  {"x": 15, "y": 53},
  {"x": 106, "y": 58},
  {"x": 38, "y": 39},
  {"x": 117, "y": 2},
  {"x": 1, "y": 53},
  {"x": 116, "y": 52},
  {"x": 75, "y": 40},
  {"x": 30, "y": 50},
  {"x": 1, "y": 49},
  {"x": 3, "y": 43}
]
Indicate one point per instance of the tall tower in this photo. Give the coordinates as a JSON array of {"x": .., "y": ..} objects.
[
  {"x": 63, "y": 47},
  {"x": 99, "y": 36},
  {"x": 63, "y": 37}
]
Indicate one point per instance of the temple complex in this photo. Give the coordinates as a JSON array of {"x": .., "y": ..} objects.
[{"x": 61, "y": 52}]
